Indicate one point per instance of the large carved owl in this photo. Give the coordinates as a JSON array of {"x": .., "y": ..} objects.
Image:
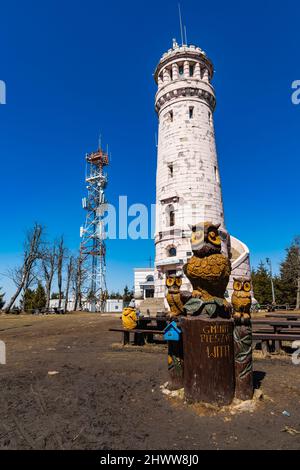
[
  {"x": 241, "y": 298},
  {"x": 208, "y": 269},
  {"x": 176, "y": 298}
]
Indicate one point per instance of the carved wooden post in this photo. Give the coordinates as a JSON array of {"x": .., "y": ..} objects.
[
  {"x": 242, "y": 335},
  {"x": 175, "y": 364},
  {"x": 241, "y": 302},
  {"x": 208, "y": 360}
]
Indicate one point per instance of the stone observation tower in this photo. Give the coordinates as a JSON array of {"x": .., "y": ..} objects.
[{"x": 188, "y": 187}]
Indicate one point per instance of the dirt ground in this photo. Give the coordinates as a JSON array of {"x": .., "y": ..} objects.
[{"x": 108, "y": 397}]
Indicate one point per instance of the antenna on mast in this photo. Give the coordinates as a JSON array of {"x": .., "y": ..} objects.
[
  {"x": 99, "y": 141},
  {"x": 185, "y": 36},
  {"x": 180, "y": 22}
]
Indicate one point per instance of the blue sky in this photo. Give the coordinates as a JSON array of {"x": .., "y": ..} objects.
[{"x": 74, "y": 69}]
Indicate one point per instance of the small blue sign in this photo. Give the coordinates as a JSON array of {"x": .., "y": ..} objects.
[{"x": 172, "y": 332}]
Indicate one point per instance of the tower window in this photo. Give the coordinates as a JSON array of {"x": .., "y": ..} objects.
[
  {"x": 172, "y": 218},
  {"x": 191, "y": 70},
  {"x": 171, "y": 115},
  {"x": 171, "y": 74},
  {"x": 209, "y": 117},
  {"x": 191, "y": 112},
  {"x": 170, "y": 170},
  {"x": 180, "y": 70},
  {"x": 172, "y": 251},
  {"x": 217, "y": 177},
  {"x": 170, "y": 212}
]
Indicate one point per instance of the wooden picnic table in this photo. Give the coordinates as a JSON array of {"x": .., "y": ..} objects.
[
  {"x": 275, "y": 328},
  {"x": 139, "y": 331},
  {"x": 276, "y": 324},
  {"x": 287, "y": 316}
]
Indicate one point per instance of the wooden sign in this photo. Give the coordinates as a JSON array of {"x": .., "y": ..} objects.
[{"x": 208, "y": 360}]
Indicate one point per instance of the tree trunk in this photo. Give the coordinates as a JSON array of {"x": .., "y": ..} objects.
[
  {"x": 59, "y": 290},
  {"x": 48, "y": 294},
  {"x": 67, "y": 296},
  {"x": 13, "y": 299},
  {"x": 69, "y": 274},
  {"x": 60, "y": 260}
]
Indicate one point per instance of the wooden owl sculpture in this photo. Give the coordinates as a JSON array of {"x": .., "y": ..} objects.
[
  {"x": 241, "y": 298},
  {"x": 208, "y": 270},
  {"x": 176, "y": 298}
]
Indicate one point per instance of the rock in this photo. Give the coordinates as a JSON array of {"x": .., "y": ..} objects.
[{"x": 53, "y": 372}]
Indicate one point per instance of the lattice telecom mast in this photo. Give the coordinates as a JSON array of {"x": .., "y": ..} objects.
[{"x": 92, "y": 247}]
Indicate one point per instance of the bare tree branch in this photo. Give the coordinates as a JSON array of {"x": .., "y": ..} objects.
[
  {"x": 70, "y": 269},
  {"x": 49, "y": 260},
  {"x": 23, "y": 276},
  {"x": 61, "y": 254}
]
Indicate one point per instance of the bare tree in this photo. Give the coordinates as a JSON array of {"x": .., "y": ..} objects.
[
  {"x": 70, "y": 269},
  {"x": 49, "y": 266},
  {"x": 61, "y": 252},
  {"x": 24, "y": 275},
  {"x": 78, "y": 282}
]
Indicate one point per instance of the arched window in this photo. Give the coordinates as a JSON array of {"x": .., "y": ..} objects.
[
  {"x": 150, "y": 278},
  {"x": 170, "y": 212},
  {"x": 172, "y": 251},
  {"x": 172, "y": 218},
  {"x": 171, "y": 215}
]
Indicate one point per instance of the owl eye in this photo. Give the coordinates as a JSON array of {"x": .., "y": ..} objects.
[
  {"x": 247, "y": 286},
  {"x": 197, "y": 238},
  {"x": 178, "y": 281},
  {"x": 170, "y": 281},
  {"x": 214, "y": 237},
  {"x": 237, "y": 285}
]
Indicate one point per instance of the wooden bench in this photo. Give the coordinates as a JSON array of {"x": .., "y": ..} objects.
[
  {"x": 276, "y": 339},
  {"x": 281, "y": 328},
  {"x": 143, "y": 332},
  {"x": 287, "y": 316}
]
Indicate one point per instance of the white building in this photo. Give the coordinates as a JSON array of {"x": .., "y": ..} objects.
[
  {"x": 188, "y": 186},
  {"x": 114, "y": 305},
  {"x": 143, "y": 283},
  {"x": 111, "y": 305}
]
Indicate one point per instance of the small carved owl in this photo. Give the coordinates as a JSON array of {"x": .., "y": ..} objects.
[
  {"x": 241, "y": 298},
  {"x": 208, "y": 270},
  {"x": 176, "y": 298}
]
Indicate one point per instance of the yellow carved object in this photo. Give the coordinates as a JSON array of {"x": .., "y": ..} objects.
[
  {"x": 208, "y": 269},
  {"x": 209, "y": 276},
  {"x": 241, "y": 298},
  {"x": 175, "y": 298},
  {"x": 129, "y": 318}
]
